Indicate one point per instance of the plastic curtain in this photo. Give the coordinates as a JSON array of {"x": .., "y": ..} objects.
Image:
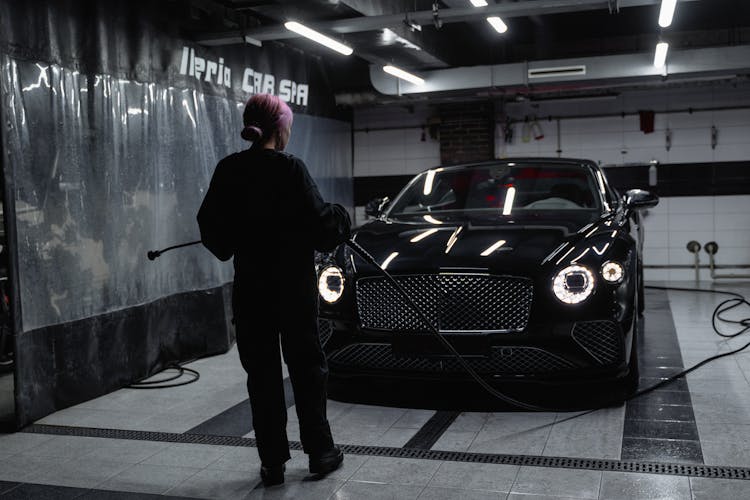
[{"x": 106, "y": 169}]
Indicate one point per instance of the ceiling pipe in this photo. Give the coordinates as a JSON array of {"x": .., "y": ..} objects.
[
  {"x": 425, "y": 18},
  {"x": 611, "y": 69}
]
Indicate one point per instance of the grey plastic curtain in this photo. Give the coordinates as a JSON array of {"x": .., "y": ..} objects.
[{"x": 106, "y": 169}]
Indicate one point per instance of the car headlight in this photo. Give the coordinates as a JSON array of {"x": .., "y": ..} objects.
[
  {"x": 612, "y": 272},
  {"x": 573, "y": 284},
  {"x": 331, "y": 284}
]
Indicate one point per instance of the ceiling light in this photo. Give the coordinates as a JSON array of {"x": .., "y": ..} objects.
[
  {"x": 660, "y": 56},
  {"x": 400, "y": 73},
  {"x": 498, "y": 24},
  {"x": 479, "y": 3},
  {"x": 253, "y": 41},
  {"x": 388, "y": 35},
  {"x": 318, "y": 37},
  {"x": 667, "y": 12}
]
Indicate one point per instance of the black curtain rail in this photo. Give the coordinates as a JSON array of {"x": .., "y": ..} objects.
[
  {"x": 376, "y": 129},
  {"x": 549, "y": 118},
  {"x": 623, "y": 114}
]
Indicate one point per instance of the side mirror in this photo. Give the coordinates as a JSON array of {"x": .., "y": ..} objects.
[
  {"x": 638, "y": 199},
  {"x": 376, "y": 207}
]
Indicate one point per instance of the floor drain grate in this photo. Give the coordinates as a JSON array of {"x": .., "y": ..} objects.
[{"x": 673, "y": 469}]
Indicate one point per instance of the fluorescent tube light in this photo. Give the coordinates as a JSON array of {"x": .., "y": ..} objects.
[
  {"x": 479, "y": 3},
  {"x": 423, "y": 235},
  {"x": 660, "y": 55},
  {"x": 432, "y": 220},
  {"x": 400, "y": 73},
  {"x": 389, "y": 259},
  {"x": 498, "y": 24},
  {"x": 667, "y": 12},
  {"x": 429, "y": 179},
  {"x": 453, "y": 239},
  {"x": 509, "y": 197},
  {"x": 318, "y": 37},
  {"x": 493, "y": 248}
]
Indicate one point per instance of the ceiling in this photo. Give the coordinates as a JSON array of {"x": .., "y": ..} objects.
[{"x": 537, "y": 30}]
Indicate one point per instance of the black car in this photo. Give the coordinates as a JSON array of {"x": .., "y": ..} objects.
[{"x": 531, "y": 268}]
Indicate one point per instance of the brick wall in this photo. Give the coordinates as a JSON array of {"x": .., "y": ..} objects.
[{"x": 467, "y": 132}]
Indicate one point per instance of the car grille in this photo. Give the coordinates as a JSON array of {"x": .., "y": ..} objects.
[
  {"x": 451, "y": 302},
  {"x": 601, "y": 339},
  {"x": 325, "y": 329},
  {"x": 502, "y": 360}
]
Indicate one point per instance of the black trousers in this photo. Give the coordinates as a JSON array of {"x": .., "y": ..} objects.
[{"x": 258, "y": 332}]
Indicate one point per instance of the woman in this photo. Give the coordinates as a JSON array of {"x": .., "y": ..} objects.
[{"x": 263, "y": 208}]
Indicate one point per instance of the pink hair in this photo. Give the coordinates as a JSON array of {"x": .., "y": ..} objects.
[{"x": 264, "y": 116}]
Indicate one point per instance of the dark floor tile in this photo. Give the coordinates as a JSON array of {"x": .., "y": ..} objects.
[
  {"x": 661, "y": 450},
  {"x": 659, "y": 412},
  {"x": 660, "y": 429},
  {"x": 237, "y": 420},
  {"x": 6, "y": 486},
  {"x": 659, "y": 370},
  {"x": 662, "y": 397},
  {"x": 646, "y": 360},
  {"x": 43, "y": 492},
  {"x": 677, "y": 385}
]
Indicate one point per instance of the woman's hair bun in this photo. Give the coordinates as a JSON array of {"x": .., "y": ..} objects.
[{"x": 251, "y": 133}]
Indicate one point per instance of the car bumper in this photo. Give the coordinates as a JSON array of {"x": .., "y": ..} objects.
[{"x": 560, "y": 352}]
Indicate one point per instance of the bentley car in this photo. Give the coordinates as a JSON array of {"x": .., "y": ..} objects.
[{"x": 531, "y": 268}]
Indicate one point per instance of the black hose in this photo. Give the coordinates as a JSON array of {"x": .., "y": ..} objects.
[
  {"x": 487, "y": 387},
  {"x": 153, "y": 254},
  {"x": 161, "y": 383},
  {"x": 735, "y": 301},
  {"x": 724, "y": 306}
]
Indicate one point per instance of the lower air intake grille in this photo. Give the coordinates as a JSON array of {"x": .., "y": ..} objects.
[
  {"x": 502, "y": 360},
  {"x": 325, "y": 329},
  {"x": 451, "y": 302},
  {"x": 601, "y": 339}
]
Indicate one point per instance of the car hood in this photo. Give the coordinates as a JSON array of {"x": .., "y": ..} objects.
[{"x": 449, "y": 242}]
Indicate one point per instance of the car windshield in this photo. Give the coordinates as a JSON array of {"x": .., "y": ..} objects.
[{"x": 504, "y": 188}]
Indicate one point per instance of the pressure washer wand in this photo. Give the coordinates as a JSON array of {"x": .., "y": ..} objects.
[{"x": 153, "y": 254}]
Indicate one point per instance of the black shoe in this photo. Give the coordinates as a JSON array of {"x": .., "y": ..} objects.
[
  {"x": 326, "y": 462},
  {"x": 272, "y": 475}
]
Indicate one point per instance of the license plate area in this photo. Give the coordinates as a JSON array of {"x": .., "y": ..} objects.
[{"x": 428, "y": 346}]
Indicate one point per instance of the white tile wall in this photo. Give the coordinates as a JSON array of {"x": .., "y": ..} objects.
[
  {"x": 675, "y": 221},
  {"x": 605, "y": 139}
]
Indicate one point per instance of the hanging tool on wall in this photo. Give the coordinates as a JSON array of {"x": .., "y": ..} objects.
[
  {"x": 531, "y": 128},
  {"x": 714, "y": 136},
  {"x": 508, "y": 130}
]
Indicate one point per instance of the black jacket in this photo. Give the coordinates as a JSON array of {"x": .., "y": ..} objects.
[{"x": 263, "y": 208}]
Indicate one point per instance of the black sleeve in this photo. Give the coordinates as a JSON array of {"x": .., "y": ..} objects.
[
  {"x": 215, "y": 214},
  {"x": 329, "y": 223}
]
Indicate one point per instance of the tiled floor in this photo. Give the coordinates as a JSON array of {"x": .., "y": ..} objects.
[{"x": 34, "y": 465}]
